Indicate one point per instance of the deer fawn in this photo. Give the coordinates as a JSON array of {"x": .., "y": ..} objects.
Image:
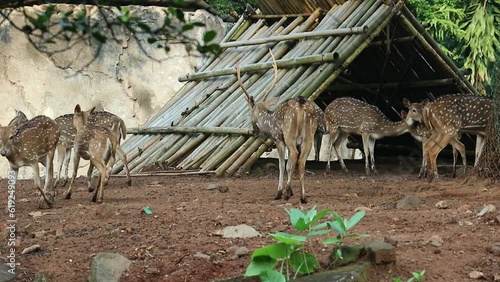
[
  {"x": 68, "y": 133},
  {"x": 32, "y": 142},
  {"x": 94, "y": 143},
  {"x": 446, "y": 118},
  {"x": 348, "y": 115},
  {"x": 292, "y": 126},
  {"x": 18, "y": 120}
]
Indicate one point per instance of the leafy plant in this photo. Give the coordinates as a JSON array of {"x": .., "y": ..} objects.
[
  {"x": 416, "y": 277},
  {"x": 294, "y": 251}
]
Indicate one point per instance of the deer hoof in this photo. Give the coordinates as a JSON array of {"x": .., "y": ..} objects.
[
  {"x": 91, "y": 189},
  {"x": 129, "y": 182},
  {"x": 303, "y": 201},
  {"x": 278, "y": 195},
  {"x": 288, "y": 194}
]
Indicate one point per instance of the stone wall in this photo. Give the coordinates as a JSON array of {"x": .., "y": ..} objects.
[{"x": 122, "y": 80}]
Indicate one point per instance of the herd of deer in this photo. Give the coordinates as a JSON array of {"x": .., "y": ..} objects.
[
  {"x": 95, "y": 136},
  {"x": 295, "y": 122},
  {"x": 294, "y": 126}
]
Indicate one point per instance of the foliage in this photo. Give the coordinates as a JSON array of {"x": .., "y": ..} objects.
[
  {"x": 55, "y": 29},
  {"x": 231, "y": 6},
  {"x": 292, "y": 251},
  {"x": 416, "y": 277},
  {"x": 466, "y": 30}
]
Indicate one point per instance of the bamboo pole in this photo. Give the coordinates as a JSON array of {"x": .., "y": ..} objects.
[
  {"x": 297, "y": 36},
  {"x": 320, "y": 58},
  {"x": 405, "y": 39},
  {"x": 188, "y": 130},
  {"x": 279, "y": 16}
]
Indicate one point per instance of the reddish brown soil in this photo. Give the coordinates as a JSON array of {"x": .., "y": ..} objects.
[{"x": 186, "y": 217}]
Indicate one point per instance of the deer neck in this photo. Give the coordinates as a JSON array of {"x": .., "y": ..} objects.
[
  {"x": 391, "y": 128},
  {"x": 265, "y": 121}
]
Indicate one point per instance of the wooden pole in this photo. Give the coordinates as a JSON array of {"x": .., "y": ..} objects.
[{"x": 188, "y": 130}]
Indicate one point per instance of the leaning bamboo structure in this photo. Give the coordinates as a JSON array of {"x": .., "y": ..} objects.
[{"x": 206, "y": 127}]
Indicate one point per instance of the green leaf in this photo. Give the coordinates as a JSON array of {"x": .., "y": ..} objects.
[
  {"x": 319, "y": 216},
  {"x": 340, "y": 221},
  {"x": 209, "y": 36},
  {"x": 330, "y": 241},
  {"x": 259, "y": 264},
  {"x": 318, "y": 232},
  {"x": 339, "y": 253},
  {"x": 275, "y": 251},
  {"x": 303, "y": 263},
  {"x": 271, "y": 276},
  {"x": 337, "y": 227},
  {"x": 295, "y": 215},
  {"x": 355, "y": 219},
  {"x": 288, "y": 238}
]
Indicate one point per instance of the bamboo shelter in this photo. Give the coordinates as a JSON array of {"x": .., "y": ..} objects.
[{"x": 375, "y": 50}]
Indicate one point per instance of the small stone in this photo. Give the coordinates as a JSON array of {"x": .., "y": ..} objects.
[
  {"x": 238, "y": 231},
  {"x": 442, "y": 205},
  {"x": 59, "y": 232},
  {"x": 494, "y": 248},
  {"x": 241, "y": 251},
  {"x": 409, "y": 202},
  {"x": 39, "y": 234},
  {"x": 391, "y": 241},
  {"x": 365, "y": 209},
  {"x": 41, "y": 277},
  {"x": 223, "y": 189},
  {"x": 31, "y": 249},
  {"x": 476, "y": 275},
  {"x": 486, "y": 209},
  {"x": 202, "y": 256},
  {"x": 463, "y": 236},
  {"x": 214, "y": 186},
  {"x": 152, "y": 270},
  {"x": 379, "y": 252},
  {"x": 466, "y": 207},
  {"x": 496, "y": 277},
  {"x": 435, "y": 241}
]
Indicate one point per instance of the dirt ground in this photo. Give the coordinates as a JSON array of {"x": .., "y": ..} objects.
[{"x": 186, "y": 216}]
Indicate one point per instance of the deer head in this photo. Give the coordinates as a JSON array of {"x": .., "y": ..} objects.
[
  {"x": 80, "y": 117},
  {"x": 258, "y": 108},
  {"x": 415, "y": 110}
]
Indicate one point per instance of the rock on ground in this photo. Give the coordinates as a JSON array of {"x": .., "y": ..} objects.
[{"x": 108, "y": 267}]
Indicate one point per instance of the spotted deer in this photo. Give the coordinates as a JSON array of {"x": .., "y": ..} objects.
[
  {"x": 68, "y": 133},
  {"x": 98, "y": 145},
  {"x": 446, "y": 118},
  {"x": 28, "y": 144},
  {"x": 347, "y": 115},
  {"x": 291, "y": 126}
]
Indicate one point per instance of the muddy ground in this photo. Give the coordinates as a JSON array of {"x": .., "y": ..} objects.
[{"x": 166, "y": 245}]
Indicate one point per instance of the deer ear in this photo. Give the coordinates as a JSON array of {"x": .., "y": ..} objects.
[
  {"x": 92, "y": 110},
  {"x": 425, "y": 101},
  {"x": 77, "y": 108},
  {"x": 404, "y": 114},
  {"x": 406, "y": 102}
]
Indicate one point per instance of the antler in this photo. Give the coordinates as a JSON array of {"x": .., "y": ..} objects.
[
  {"x": 248, "y": 96},
  {"x": 275, "y": 80}
]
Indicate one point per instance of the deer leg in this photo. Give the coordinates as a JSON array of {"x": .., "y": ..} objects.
[
  {"x": 99, "y": 164},
  {"x": 479, "y": 148},
  {"x": 292, "y": 161},
  {"x": 67, "y": 157},
  {"x": 60, "y": 161},
  {"x": 89, "y": 178},
  {"x": 366, "y": 149},
  {"x": 76, "y": 162},
  {"x": 318, "y": 137},
  {"x": 460, "y": 147},
  {"x": 436, "y": 144},
  {"x": 123, "y": 158},
  {"x": 333, "y": 136},
  {"x": 306, "y": 148},
  {"x": 372, "y": 154},
  {"x": 336, "y": 147},
  {"x": 38, "y": 184},
  {"x": 280, "y": 147},
  {"x": 423, "y": 167}
]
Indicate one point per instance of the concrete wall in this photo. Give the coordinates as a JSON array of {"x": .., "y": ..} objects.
[{"x": 122, "y": 80}]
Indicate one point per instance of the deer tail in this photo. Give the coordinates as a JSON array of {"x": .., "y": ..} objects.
[
  {"x": 123, "y": 129},
  {"x": 301, "y": 127}
]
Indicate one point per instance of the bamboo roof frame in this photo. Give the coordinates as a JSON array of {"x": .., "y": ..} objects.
[{"x": 206, "y": 127}]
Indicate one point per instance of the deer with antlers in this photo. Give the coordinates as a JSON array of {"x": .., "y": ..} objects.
[
  {"x": 98, "y": 145},
  {"x": 28, "y": 142},
  {"x": 347, "y": 115},
  {"x": 68, "y": 134},
  {"x": 292, "y": 126},
  {"x": 446, "y": 118}
]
